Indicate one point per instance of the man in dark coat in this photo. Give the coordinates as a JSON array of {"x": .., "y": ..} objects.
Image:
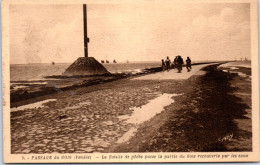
[
  {"x": 179, "y": 64},
  {"x": 188, "y": 64},
  {"x": 175, "y": 62},
  {"x": 168, "y": 63}
]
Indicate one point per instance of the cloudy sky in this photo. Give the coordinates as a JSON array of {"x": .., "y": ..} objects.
[{"x": 135, "y": 32}]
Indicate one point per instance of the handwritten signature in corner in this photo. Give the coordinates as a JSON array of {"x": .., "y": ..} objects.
[{"x": 226, "y": 138}]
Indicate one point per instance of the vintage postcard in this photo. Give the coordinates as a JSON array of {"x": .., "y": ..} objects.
[{"x": 92, "y": 81}]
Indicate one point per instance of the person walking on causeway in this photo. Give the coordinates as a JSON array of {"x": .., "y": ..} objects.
[
  {"x": 163, "y": 65},
  {"x": 175, "y": 62},
  {"x": 168, "y": 63},
  {"x": 188, "y": 64},
  {"x": 179, "y": 64}
]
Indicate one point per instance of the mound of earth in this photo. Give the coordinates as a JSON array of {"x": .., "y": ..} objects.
[{"x": 85, "y": 66}]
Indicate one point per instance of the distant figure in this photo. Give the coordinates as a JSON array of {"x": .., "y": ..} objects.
[
  {"x": 163, "y": 65},
  {"x": 188, "y": 64},
  {"x": 179, "y": 64},
  {"x": 114, "y": 61},
  {"x": 175, "y": 62},
  {"x": 102, "y": 61},
  {"x": 107, "y": 61},
  {"x": 168, "y": 63},
  {"x": 53, "y": 63}
]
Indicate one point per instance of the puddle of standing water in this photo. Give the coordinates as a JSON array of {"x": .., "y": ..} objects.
[
  {"x": 239, "y": 73},
  {"x": 233, "y": 68},
  {"x": 32, "y": 106},
  {"x": 144, "y": 113},
  {"x": 127, "y": 135},
  {"x": 19, "y": 87}
]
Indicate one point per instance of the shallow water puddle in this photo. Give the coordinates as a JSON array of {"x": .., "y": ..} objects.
[
  {"x": 19, "y": 87},
  {"x": 242, "y": 74},
  {"x": 127, "y": 135},
  {"x": 233, "y": 68},
  {"x": 144, "y": 113},
  {"x": 32, "y": 106},
  {"x": 239, "y": 73}
]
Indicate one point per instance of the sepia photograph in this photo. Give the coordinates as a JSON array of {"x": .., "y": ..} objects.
[{"x": 130, "y": 81}]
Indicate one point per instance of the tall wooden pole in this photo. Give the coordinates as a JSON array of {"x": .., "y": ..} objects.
[{"x": 86, "y": 39}]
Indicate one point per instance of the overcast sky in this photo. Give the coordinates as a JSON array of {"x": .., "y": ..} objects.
[{"x": 135, "y": 32}]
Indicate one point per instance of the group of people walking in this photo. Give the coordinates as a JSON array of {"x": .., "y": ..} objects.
[{"x": 177, "y": 63}]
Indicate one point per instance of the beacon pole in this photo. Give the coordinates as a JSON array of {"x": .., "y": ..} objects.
[{"x": 86, "y": 39}]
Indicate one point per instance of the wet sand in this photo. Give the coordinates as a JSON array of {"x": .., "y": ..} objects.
[{"x": 97, "y": 118}]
